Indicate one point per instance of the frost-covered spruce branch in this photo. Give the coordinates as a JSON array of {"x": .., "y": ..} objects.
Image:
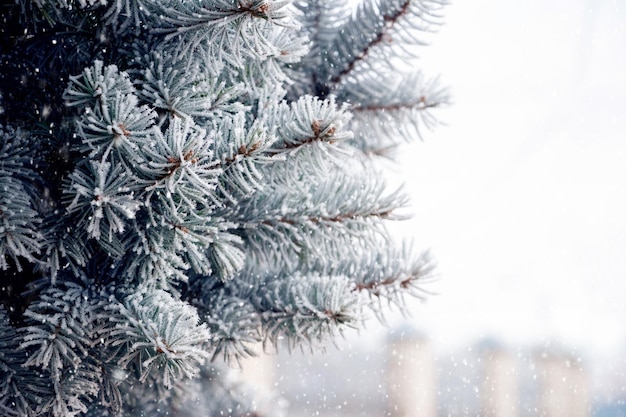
[
  {"x": 399, "y": 23},
  {"x": 360, "y": 67},
  {"x": 181, "y": 180}
]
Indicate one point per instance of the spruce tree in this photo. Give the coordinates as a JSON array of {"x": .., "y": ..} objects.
[{"x": 183, "y": 179}]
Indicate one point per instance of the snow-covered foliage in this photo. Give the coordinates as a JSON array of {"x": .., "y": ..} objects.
[{"x": 181, "y": 180}]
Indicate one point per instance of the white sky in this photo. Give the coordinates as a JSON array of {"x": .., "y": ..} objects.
[{"x": 522, "y": 197}]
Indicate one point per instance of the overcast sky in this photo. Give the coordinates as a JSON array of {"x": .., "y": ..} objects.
[{"x": 521, "y": 198}]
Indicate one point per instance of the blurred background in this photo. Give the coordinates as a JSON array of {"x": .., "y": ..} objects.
[{"x": 521, "y": 200}]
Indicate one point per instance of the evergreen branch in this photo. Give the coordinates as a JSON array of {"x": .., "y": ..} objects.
[
  {"x": 327, "y": 220},
  {"x": 21, "y": 389},
  {"x": 74, "y": 392},
  {"x": 222, "y": 13},
  {"x": 291, "y": 243},
  {"x": 160, "y": 335},
  {"x": 117, "y": 124},
  {"x": 180, "y": 171},
  {"x": 400, "y": 109},
  {"x": 157, "y": 256},
  {"x": 192, "y": 90},
  {"x": 397, "y": 28},
  {"x": 226, "y": 254},
  {"x": 102, "y": 197},
  {"x": 19, "y": 232},
  {"x": 307, "y": 314},
  {"x": 393, "y": 93},
  {"x": 164, "y": 250},
  {"x": 65, "y": 243},
  {"x": 384, "y": 273},
  {"x": 241, "y": 151},
  {"x": 322, "y": 24},
  {"x": 324, "y": 20},
  {"x": 387, "y": 279},
  {"x": 234, "y": 325},
  {"x": 15, "y": 156},
  {"x": 339, "y": 218},
  {"x": 337, "y": 198},
  {"x": 309, "y": 121},
  {"x": 59, "y": 339},
  {"x": 303, "y": 309},
  {"x": 61, "y": 325},
  {"x": 389, "y": 20},
  {"x": 238, "y": 27},
  {"x": 97, "y": 85},
  {"x": 421, "y": 104},
  {"x": 123, "y": 15}
]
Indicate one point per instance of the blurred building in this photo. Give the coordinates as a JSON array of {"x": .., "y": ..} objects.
[
  {"x": 411, "y": 377},
  {"x": 499, "y": 394},
  {"x": 564, "y": 386},
  {"x": 406, "y": 377}
]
